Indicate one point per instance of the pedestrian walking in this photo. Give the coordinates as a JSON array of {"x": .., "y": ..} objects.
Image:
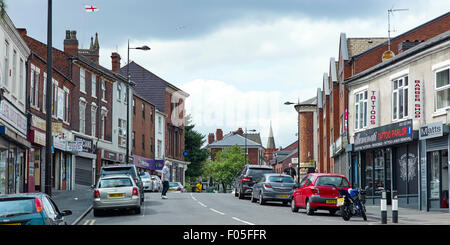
[
  {"x": 290, "y": 171},
  {"x": 165, "y": 178}
]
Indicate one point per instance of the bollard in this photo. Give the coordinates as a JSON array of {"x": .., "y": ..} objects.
[
  {"x": 394, "y": 207},
  {"x": 383, "y": 208}
]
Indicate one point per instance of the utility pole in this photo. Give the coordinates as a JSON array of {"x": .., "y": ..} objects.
[{"x": 48, "y": 105}]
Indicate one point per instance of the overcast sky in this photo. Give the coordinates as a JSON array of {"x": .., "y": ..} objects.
[{"x": 238, "y": 60}]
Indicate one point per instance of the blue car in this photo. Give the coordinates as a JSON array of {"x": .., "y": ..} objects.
[{"x": 30, "y": 209}]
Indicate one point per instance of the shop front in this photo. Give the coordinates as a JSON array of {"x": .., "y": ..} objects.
[
  {"x": 13, "y": 147},
  {"x": 434, "y": 171},
  {"x": 62, "y": 160},
  {"x": 84, "y": 162},
  {"x": 387, "y": 160},
  {"x": 36, "y": 136},
  {"x": 148, "y": 165}
]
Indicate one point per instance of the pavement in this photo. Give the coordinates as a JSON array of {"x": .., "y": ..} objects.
[{"x": 79, "y": 201}]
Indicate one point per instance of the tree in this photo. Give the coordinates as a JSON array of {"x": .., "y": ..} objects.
[
  {"x": 193, "y": 142},
  {"x": 2, "y": 8},
  {"x": 227, "y": 164}
]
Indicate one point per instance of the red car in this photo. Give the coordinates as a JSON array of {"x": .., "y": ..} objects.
[{"x": 318, "y": 191}]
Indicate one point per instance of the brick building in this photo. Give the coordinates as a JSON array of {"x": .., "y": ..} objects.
[
  {"x": 255, "y": 151},
  {"x": 355, "y": 56},
  {"x": 169, "y": 101},
  {"x": 62, "y": 174}
]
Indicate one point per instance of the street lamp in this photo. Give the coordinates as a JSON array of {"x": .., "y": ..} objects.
[
  {"x": 297, "y": 108},
  {"x": 251, "y": 130},
  {"x": 144, "y": 48}
]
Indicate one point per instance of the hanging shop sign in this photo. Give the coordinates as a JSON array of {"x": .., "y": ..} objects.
[
  {"x": 431, "y": 130},
  {"x": 374, "y": 98},
  {"x": 395, "y": 133},
  {"x": 418, "y": 99}
]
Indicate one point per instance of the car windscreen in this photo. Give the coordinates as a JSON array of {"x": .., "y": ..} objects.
[
  {"x": 258, "y": 172},
  {"x": 118, "y": 170},
  {"x": 334, "y": 181},
  {"x": 144, "y": 176},
  {"x": 15, "y": 207},
  {"x": 116, "y": 182},
  {"x": 173, "y": 184},
  {"x": 281, "y": 179}
]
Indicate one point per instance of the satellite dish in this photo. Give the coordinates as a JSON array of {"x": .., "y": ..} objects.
[{"x": 387, "y": 55}]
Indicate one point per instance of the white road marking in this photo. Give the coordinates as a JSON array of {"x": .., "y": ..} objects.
[
  {"x": 89, "y": 222},
  {"x": 193, "y": 197},
  {"x": 92, "y": 222},
  {"x": 212, "y": 209},
  {"x": 202, "y": 204},
  {"x": 243, "y": 221}
]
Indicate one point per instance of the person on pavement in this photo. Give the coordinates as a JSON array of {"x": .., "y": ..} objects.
[
  {"x": 290, "y": 171},
  {"x": 199, "y": 187},
  {"x": 165, "y": 178}
]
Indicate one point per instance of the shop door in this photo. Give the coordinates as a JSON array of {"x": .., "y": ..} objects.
[{"x": 434, "y": 173}]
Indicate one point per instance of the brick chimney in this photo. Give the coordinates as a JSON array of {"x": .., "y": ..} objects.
[
  {"x": 22, "y": 32},
  {"x": 115, "y": 59},
  {"x": 405, "y": 45},
  {"x": 71, "y": 43},
  {"x": 211, "y": 138},
  {"x": 240, "y": 132},
  {"x": 219, "y": 134}
]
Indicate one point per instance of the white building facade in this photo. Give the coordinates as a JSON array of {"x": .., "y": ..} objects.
[{"x": 13, "y": 121}]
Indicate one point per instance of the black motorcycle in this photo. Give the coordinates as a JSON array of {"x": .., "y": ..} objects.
[{"x": 351, "y": 203}]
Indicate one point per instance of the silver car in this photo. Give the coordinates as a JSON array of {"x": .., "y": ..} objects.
[
  {"x": 273, "y": 187},
  {"x": 116, "y": 192},
  {"x": 146, "y": 181},
  {"x": 157, "y": 183}
]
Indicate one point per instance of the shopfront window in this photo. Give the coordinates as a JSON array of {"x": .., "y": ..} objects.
[
  {"x": 368, "y": 174},
  {"x": 3, "y": 157},
  {"x": 379, "y": 172},
  {"x": 434, "y": 175}
]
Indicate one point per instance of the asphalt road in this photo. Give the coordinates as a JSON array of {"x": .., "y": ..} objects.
[{"x": 215, "y": 209}]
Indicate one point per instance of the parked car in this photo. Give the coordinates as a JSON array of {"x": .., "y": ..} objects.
[
  {"x": 125, "y": 169},
  {"x": 146, "y": 181},
  {"x": 245, "y": 179},
  {"x": 157, "y": 183},
  {"x": 176, "y": 187},
  {"x": 318, "y": 192},
  {"x": 30, "y": 209},
  {"x": 273, "y": 187},
  {"x": 116, "y": 192}
]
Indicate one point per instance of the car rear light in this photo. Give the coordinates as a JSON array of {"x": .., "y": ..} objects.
[
  {"x": 246, "y": 179},
  {"x": 267, "y": 186},
  {"x": 315, "y": 190},
  {"x": 179, "y": 189},
  {"x": 96, "y": 194},
  {"x": 135, "y": 191},
  {"x": 38, "y": 204}
]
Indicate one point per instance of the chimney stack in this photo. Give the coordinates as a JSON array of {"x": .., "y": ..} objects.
[
  {"x": 22, "y": 31},
  {"x": 115, "y": 59},
  {"x": 219, "y": 134},
  {"x": 405, "y": 45},
  {"x": 71, "y": 43},
  {"x": 211, "y": 138}
]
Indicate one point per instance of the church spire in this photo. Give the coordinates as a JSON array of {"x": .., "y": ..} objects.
[{"x": 270, "y": 140}]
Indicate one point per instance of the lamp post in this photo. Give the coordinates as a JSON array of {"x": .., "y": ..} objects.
[
  {"x": 145, "y": 48},
  {"x": 297, "y": 107},
  {"x": 251, "y": 130},
  {"x": 49, "y": 105}
]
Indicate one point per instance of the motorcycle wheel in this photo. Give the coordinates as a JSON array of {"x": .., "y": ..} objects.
[
  {"x": 345, "y": 212},
  {"x": 363, "y": 213}
]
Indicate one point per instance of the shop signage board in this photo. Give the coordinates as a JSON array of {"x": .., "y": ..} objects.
[
  {"x": 13, "y": 116},
  {"x": 391, "y": 134},
  {"x": 76, "y": 145},
  {"x": 87, "y": 143},
  {"x": 431, "y": 130}
]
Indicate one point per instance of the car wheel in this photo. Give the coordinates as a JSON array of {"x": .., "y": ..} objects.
[
  {"x": 241, "y": 195},
  {"x": 97, "y": 212},
  {"x": 285, "y": 203},
  {"x": 261, "y": 199},
  {"x": 236, "y": 194},
  {"x": 294, "y": 208},
  {"x": 137, "y": 210},
  {"x": 333, "y": 211},
  {"x": 309, "y": 209}
]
